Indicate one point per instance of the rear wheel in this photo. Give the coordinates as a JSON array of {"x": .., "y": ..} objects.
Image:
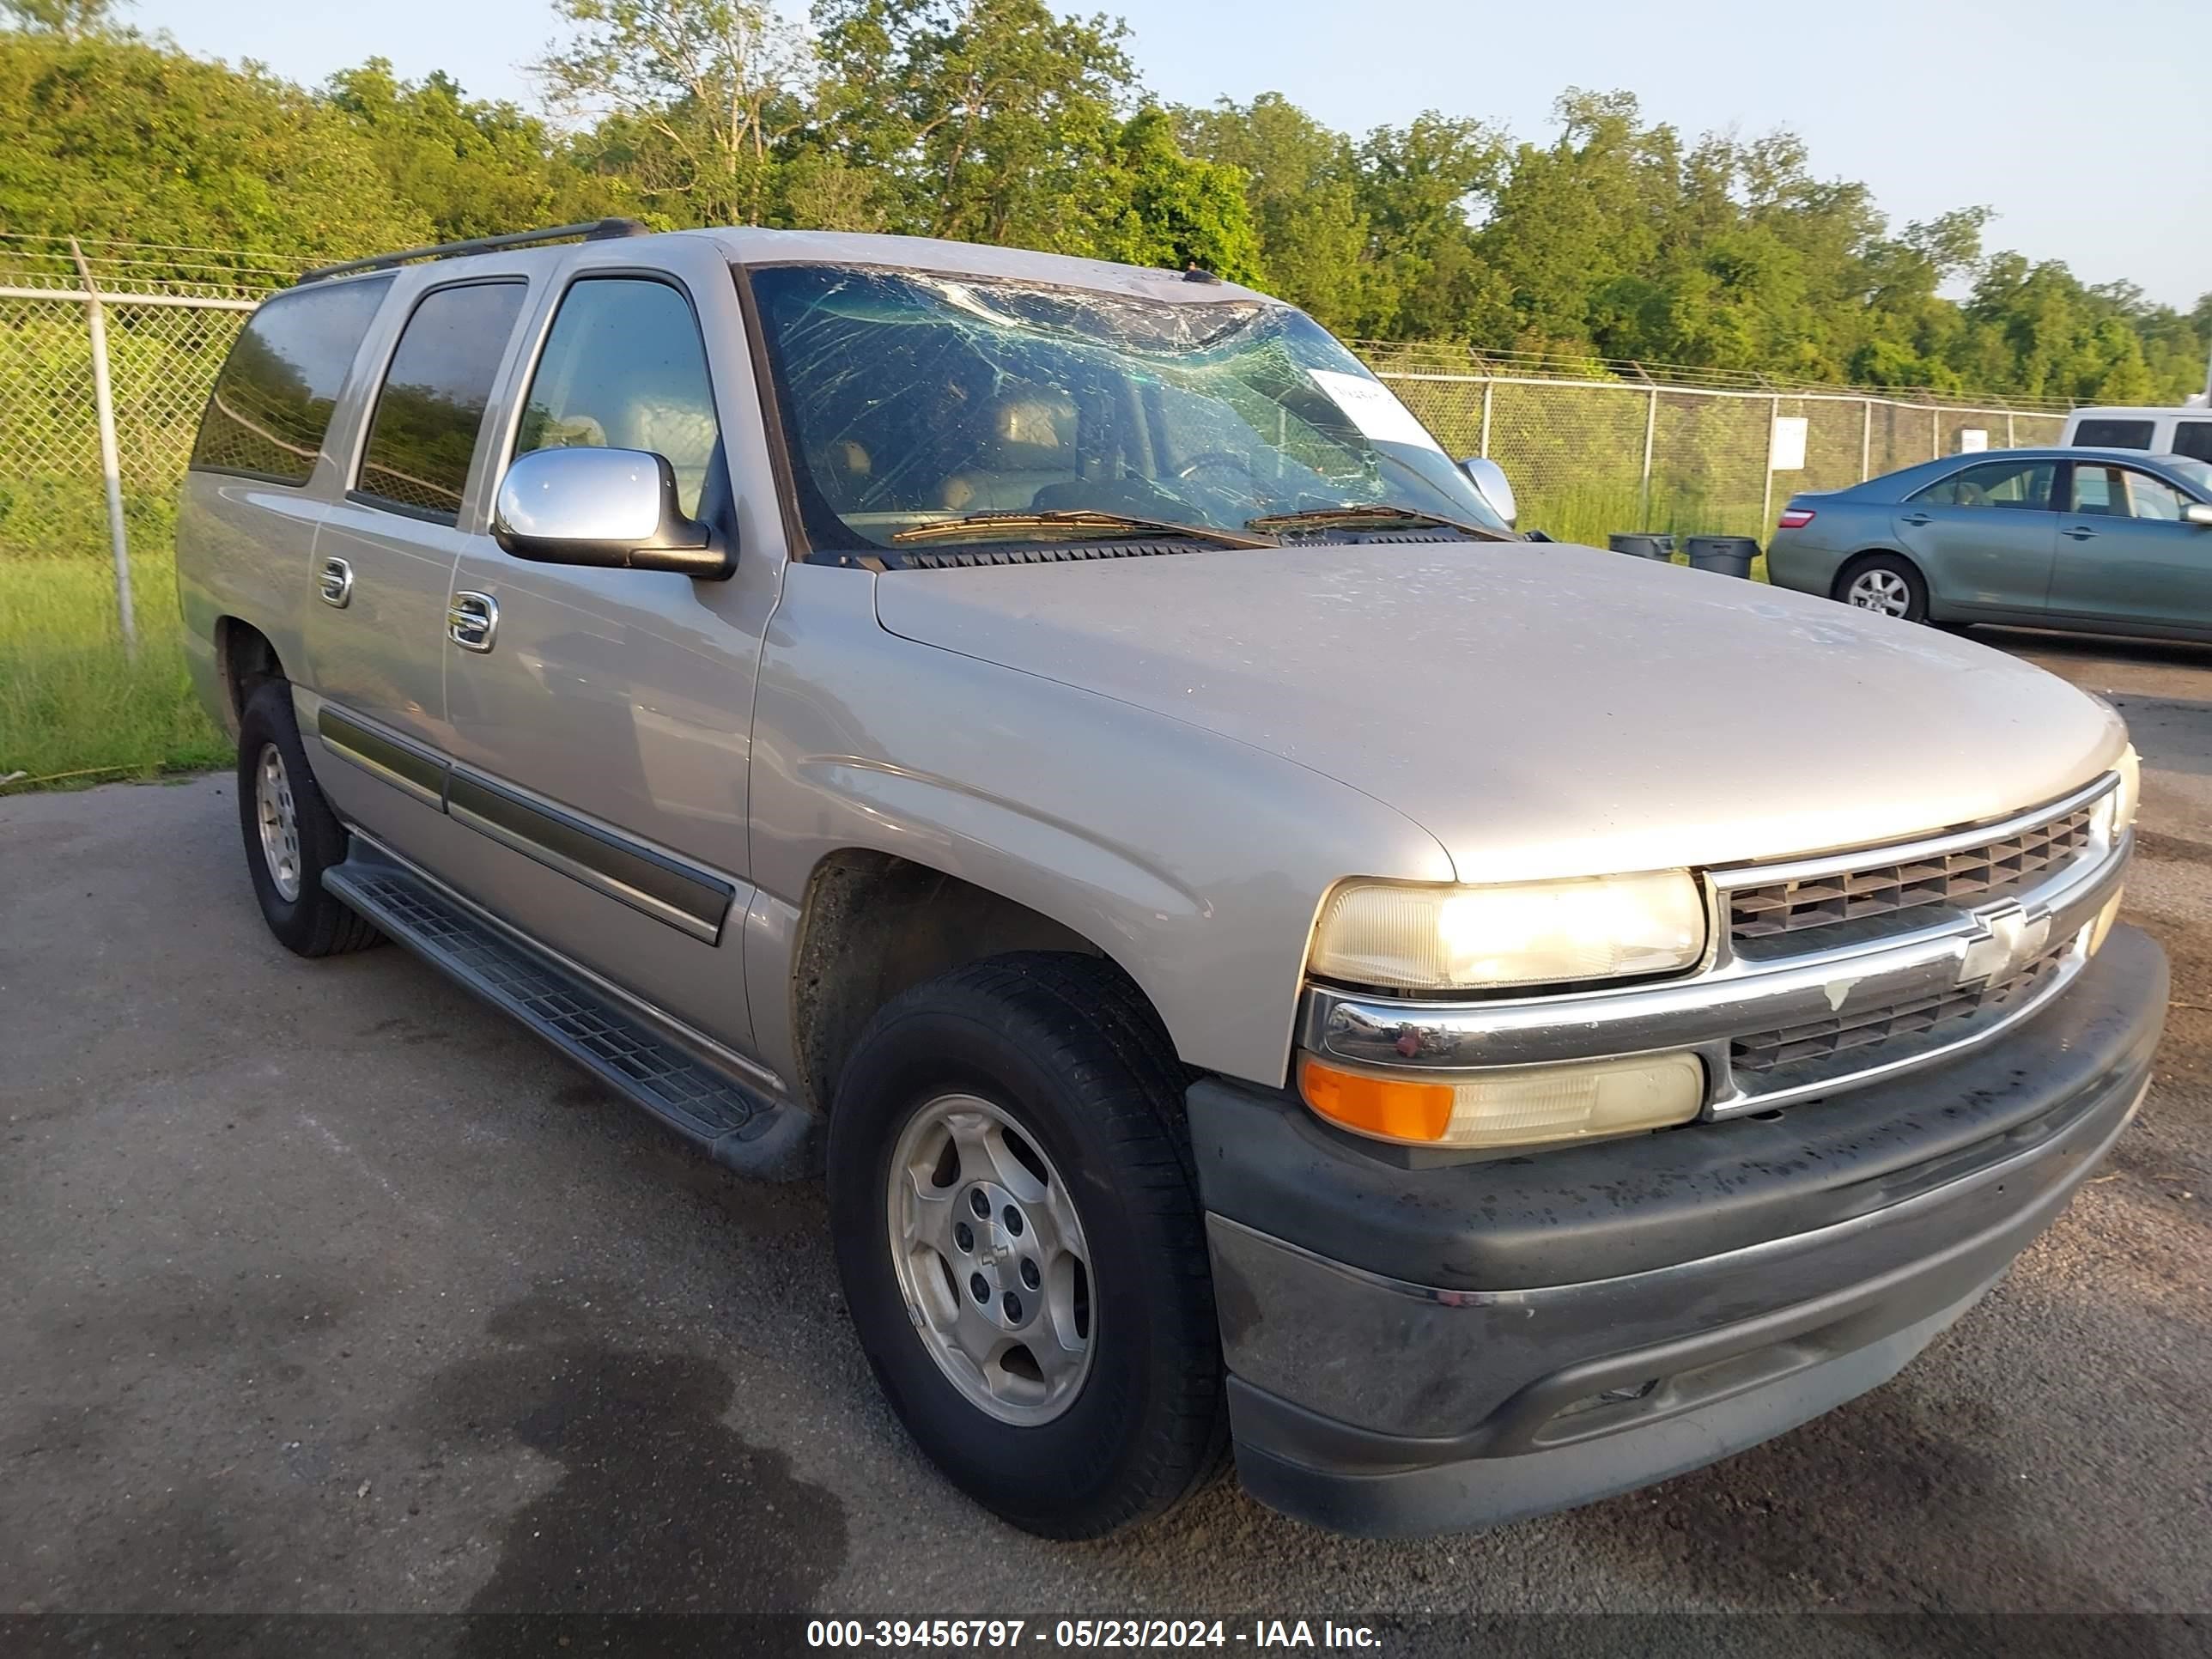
[
  {"x": 1884, "y": 582},
  {"x": 291, "y": 835},
  {"x": 1022, "y": 1245}
]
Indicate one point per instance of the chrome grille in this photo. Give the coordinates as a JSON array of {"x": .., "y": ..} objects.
[
  {"x": 1821, "y": 1039},
  {"x": 1960, "y": 879}
]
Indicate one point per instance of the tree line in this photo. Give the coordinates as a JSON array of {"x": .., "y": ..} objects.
[{"x": 1004, "y": 121}]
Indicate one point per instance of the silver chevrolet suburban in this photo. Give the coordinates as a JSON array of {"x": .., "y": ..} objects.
[{"x": 1264, "y": 954}]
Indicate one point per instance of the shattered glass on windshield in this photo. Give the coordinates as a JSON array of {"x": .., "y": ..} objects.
[{"x": 967, "y": 410}]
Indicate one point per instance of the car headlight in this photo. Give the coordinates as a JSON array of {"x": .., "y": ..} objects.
[
  {"x": 2128, "y": 795},
  {"x": 1544, "y": 933}
]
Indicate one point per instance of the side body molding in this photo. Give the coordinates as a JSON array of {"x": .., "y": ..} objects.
[{"x": 685, "y": 897}]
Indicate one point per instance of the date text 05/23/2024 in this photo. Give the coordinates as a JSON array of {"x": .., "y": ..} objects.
[{"x": 1259, "y": 1634}]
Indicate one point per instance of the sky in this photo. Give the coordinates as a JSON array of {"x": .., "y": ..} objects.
[{"x": 2088, "y": 130}]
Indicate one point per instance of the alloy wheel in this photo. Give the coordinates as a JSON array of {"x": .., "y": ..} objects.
[
  {"x": 1880, "y": 589},
  {"x": 280, "y": 823},
  {"x": 991, "y": 1259}
]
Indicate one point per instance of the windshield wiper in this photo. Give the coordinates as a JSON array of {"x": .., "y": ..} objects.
[
  {"x": 1371, "y": 516},
  {"x": 1079, "y": 521}
]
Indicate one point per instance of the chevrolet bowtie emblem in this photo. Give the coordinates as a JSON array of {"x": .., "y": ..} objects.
[{"x": 2009, "y": 941}]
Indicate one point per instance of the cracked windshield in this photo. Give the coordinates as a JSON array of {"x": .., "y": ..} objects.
[{"x": 929, "y": 411}]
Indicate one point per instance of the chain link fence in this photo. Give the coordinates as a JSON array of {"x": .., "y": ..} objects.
[
  {"x": 162, "y": 359},
  {"x": 1588, "y": 455},
  {"x": 107, "y": 352}
]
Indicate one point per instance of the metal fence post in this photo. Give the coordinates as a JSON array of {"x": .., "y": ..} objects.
[
  {"x": 1766, "y": 487},
  {"x": 1483, "y": 448},
  {"x": 1866, "y": 440},
  {"x": 111, "y": 466},
  {"x": 2011, "y": 442},
  {"x": 1651, "y": 431},
  {"x": 1934, "y": 434}
]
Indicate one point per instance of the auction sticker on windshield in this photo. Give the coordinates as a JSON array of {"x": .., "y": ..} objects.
[{"x": 1374, "y": 408}]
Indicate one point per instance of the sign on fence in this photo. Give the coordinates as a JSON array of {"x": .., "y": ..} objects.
[{"x": 1785, "y": 450}]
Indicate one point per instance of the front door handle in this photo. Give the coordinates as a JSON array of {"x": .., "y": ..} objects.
[
  {"x": 471, "y": 621},
  {"x": 335, "y": 583},
  {"x": 2080, "y": 532},
  {"x": 1916, "y": 519}
]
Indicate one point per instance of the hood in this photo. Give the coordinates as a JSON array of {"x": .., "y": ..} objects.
[{"x": 1541, "y": 708}]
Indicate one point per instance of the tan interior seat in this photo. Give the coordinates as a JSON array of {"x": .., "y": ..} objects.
[{"x": 1027, "y": 443}]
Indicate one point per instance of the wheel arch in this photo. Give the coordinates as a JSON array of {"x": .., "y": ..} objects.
[
  {"x": 1866, "y": 555},
  {"x": 873, "y": 924},
  {"x": 245, "y": 658}
]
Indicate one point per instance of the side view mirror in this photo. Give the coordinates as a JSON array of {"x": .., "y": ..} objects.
[
  {"x": 1491, "y": 483},
  {"x": 616, "y": 508},
  {"x": 2197, "y": 514}
]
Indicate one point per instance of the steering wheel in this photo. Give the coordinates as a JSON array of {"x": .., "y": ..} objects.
[{"x": 1217, "y": 457}]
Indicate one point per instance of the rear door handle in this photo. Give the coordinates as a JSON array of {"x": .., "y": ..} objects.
[
  {"x": 472, "y": 620},
  {"x": 1915, "y": 519},
  {"x": 2080, "y": 532},
  {"x": 335, "y": 583}
]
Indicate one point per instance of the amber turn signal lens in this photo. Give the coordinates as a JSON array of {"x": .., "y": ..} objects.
[
  {"x": 2103, "y": 925},
  {"x": 1509, "y": 1105},
  {"x": 1390, "y": 1107}
]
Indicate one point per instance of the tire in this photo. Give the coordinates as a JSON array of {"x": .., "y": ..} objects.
[
  {"x": 1890, "y": 577},
  {"x": 1067, "y": 1054},
  {"x": 287, "y": 871}
]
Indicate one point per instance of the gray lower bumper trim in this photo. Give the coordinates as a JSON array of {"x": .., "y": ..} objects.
[
  {"x": 1490, "y": 1492},
  {"x": 1371, "y": 1405}
]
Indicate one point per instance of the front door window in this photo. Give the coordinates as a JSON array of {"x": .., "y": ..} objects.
[{"x": 625, "y": 369}]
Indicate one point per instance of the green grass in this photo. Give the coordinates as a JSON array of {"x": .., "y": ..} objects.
[{"x": 74, "y": 707}]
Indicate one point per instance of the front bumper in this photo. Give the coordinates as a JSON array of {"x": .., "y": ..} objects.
[{"x": 1418, "y": 1349}]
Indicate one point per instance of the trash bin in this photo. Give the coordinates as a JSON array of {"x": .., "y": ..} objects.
[
  {"x": 1728, "y": 555},
  {"x": 1661, "y": 548}
]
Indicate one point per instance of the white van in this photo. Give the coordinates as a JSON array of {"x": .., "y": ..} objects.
[{"x": 2184, "y": 431}]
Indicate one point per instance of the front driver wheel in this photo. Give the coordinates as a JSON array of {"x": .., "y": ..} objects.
[
  {"x": 1022, "y": 1245},
  {"x": 1886, "y": 584}
]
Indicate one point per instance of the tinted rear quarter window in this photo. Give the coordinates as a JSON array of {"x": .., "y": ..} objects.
[
  {"x": 431, "y": 405},
  {"x": 2115, "y": 434},
  {"x": 271, "y": 403},
  {"x": 2193, "y": 439}
]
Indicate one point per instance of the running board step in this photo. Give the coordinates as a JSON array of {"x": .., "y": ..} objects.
[{"x": 738, "y": 1126}]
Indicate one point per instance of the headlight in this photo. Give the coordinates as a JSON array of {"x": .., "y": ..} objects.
[
  {"x": 1512, "y": 1106},
  {"x": 2128, "y": 795},
  {"x": 1543, "y": 933}
]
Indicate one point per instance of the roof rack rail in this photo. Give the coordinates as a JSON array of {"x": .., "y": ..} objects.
[{"x": 597, "y": 230}]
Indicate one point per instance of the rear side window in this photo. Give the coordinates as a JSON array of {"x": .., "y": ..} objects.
[
  {"x": 431, "y": 406},
  {"x": 271, "y": 403},
  {"x": 2193, "y": 439},
  {"x": 1995, "y": 484},
  {"x": 2115, "y": 434}
]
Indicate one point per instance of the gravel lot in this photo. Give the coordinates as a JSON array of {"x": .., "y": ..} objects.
[{"x": 326, "y": 1289}]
